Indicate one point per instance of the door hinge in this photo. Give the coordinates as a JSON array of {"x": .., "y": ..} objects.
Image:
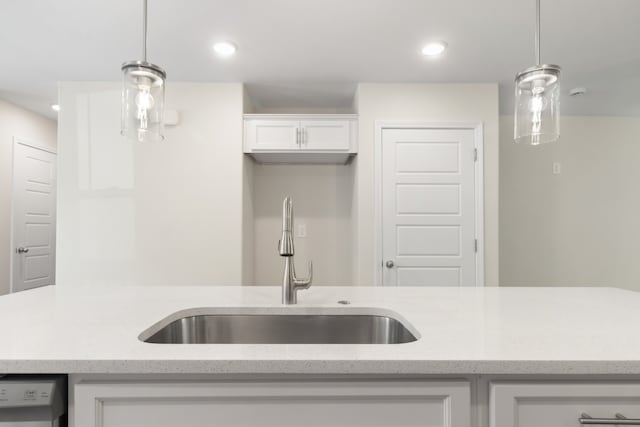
[
  {"x": 475, "y": 245},
  {"x": 475, "y": 154}
]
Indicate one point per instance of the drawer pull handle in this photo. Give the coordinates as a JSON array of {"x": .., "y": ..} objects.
[{"x": 621, "y": 420}]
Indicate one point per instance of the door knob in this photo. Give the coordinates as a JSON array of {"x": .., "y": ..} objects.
[
  {"x": 22, "y": 250},
  {"x": 389, "y": 264}
]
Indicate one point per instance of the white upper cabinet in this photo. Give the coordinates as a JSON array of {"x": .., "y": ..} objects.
[
  {"x": 322, "y": 135},
  {"x": 269, "y": 135},
  {"x": 300, "y": 138}
]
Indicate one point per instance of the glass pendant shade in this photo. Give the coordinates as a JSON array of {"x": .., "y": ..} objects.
[
  {"x": 537, "y": 105},
  {"x": 143, "y": 101}
]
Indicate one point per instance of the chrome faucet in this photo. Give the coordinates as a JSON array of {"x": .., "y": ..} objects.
[{"x": 290, "y": 283}]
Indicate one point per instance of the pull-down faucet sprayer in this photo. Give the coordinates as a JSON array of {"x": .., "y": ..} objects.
[{"x": 290, "y": 283}]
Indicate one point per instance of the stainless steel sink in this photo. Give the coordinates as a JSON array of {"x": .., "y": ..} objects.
[{"x": 280, "y": 328}]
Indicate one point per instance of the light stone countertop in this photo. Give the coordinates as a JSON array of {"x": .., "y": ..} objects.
[{"x": 462, "y": 331}]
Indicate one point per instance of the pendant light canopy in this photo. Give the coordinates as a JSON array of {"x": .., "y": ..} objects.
[
  {"x": 143, "y": 95},
  {"x": 537, "y": 100}
]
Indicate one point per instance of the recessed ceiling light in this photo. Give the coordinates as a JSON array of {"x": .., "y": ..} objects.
[
  {"x": 225, "y": 48},
  {"x": 55, "y": 107},
  {"x": 434, "y": 48}
]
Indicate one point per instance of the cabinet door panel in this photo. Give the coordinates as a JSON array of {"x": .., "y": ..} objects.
[
  {"x": 312, "y": 404},
  {"x": 326, "y": 134},
  {"x": 265, "y": 135},
  {"x": 560, "y": 404}
]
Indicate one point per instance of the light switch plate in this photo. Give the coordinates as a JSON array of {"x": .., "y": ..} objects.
[{"x": 302, "y": 230}]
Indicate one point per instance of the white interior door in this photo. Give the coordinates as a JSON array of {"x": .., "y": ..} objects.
[
  {"x": 428, "y": 207},
  {"x": 33, "y": 216}
]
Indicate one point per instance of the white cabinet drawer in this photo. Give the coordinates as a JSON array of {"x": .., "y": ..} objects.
[
  {"x": 267, "y": 404},
  {"x": 555, "y": 404}
]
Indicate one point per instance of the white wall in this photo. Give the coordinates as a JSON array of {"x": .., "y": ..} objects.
[
  {"x": 581, "y": 227},
  {"x": 422, "y": 102},
  {"x": 193, "y": 210},
  {"x": 248, "y": 276},
  {"x": 28, "y": 126},
  {"x": 322, "y": 198},
  {"x": 248, "y": 222},
  {"x": 169, "y": 213}
]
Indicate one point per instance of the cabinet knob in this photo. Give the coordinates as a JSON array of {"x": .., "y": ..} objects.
[
  {"x": 22, "y": 250},
  {"x": 389, "y": 264}
]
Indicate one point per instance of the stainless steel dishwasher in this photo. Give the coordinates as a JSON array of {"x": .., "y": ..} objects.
[{"x": 33, "y": 401}]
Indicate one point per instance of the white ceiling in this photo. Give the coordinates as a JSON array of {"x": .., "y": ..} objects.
[{"x": 310, "y": 53}]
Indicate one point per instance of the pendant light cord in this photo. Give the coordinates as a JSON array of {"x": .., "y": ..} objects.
[
  {"x": 537, "y": 32},
  {"x": 144, "y": 31}
]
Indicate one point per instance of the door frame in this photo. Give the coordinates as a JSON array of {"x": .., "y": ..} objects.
[
  {"x": 44, "y": 147},
  {"x": 478, "y": 136}
]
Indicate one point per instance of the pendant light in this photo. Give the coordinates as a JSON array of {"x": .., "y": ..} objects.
[
  {"x": 537, "y": 100},
  {"x": 143, "y": 95}
]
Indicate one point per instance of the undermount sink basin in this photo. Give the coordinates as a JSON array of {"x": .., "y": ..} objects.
[{"x": 281, "y": 327}]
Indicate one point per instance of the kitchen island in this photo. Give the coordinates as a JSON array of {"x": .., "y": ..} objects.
[{"x": 483, "y": 355}]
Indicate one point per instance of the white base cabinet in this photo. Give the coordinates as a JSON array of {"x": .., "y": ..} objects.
[
  {"x": 475, "y": 401},
  {"x": 271, "y": 404},
  {"x": 553, "y": 404}
]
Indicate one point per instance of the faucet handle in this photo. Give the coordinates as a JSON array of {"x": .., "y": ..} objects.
[{"x": 305, "y": 283}]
